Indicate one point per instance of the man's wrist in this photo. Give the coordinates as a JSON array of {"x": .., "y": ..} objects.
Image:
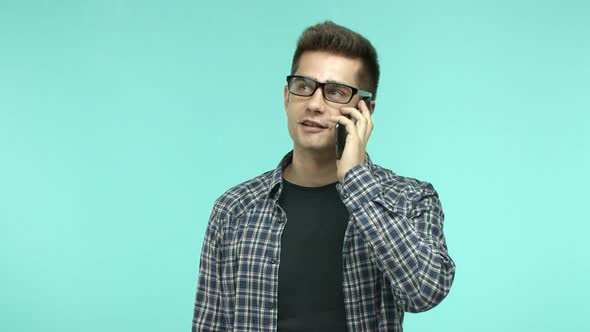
[{"x": 359, "y": 186}]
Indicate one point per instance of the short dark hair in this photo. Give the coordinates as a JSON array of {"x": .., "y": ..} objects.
[{"x": 333, "y": 38}]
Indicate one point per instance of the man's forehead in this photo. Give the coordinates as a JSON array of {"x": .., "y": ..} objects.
[{"x": 329, "y": 67}]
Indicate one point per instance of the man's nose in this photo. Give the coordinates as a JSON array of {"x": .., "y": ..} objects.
[{"x": 316, "y": 101}]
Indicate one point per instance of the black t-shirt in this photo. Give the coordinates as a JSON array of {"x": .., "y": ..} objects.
[{"x": 310, "y": 272}]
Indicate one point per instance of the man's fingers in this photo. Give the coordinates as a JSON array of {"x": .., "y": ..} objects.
[
  {"x": 366, "y": 112},
  {"x": 359, "y": 118},
  {"x": 351, "y": 128}
]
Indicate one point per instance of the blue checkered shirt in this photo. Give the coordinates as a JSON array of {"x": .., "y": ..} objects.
[{"x": 395, "y": 257}]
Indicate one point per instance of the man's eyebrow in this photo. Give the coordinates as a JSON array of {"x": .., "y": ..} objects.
[
  {"x": 327, "y": 81},
  {"x": 311, "y": 78}
]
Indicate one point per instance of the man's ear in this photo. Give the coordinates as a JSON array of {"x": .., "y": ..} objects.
[
  {"x": 372, "y": 106},
  {"x": 286, "y": 97}
]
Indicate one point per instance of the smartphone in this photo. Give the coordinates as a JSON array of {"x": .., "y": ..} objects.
[{"x": 341, "y": 132}]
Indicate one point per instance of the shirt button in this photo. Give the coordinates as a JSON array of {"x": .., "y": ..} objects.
[
  {"x": 346, "y": 195},
  {"x": 273, "y": 261},
  {"x": 282, "y": 220}
]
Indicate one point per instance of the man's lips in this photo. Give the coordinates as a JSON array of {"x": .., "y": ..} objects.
[{"x": 313, "y": 124}]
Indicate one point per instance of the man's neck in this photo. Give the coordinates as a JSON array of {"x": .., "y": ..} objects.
[{"x": 311, "y": 169}]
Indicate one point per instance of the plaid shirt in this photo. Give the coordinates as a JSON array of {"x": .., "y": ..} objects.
[{"x": 394, "y": 256}]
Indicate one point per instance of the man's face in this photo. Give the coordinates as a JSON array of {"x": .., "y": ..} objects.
[{"x": 307, "y": 117}]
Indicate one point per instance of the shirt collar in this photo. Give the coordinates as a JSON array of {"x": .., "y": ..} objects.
[{"x": 276, "y": 180}]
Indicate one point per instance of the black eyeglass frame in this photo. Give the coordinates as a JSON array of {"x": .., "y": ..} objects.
[{"x": 355, "y": 91}]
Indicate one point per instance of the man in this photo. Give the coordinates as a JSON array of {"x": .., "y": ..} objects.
[{"x": 320, "y": 243}]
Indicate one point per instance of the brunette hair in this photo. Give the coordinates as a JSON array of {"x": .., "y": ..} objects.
[{"x": 333, "y": 38}]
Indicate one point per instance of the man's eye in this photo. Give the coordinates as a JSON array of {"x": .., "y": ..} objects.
[
  {"x": 303, "y": 87},
  {"x": 336, "y": 92}
]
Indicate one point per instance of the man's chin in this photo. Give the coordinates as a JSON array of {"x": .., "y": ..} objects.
[{"x": 320, "y": 150}]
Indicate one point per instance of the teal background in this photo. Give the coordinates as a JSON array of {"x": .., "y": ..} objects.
[{"x": 122, "y": 121}]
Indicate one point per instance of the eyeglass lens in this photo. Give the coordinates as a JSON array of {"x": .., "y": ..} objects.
[{"x": 335, "y": 92}]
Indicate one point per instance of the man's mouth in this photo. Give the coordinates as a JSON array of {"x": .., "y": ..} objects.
[{"x": 309, "y": 123}]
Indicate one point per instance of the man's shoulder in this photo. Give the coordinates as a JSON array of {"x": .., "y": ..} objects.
[{"x": 243, "y": 196}]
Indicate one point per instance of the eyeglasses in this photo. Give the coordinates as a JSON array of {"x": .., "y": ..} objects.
[{"x": 335, "y": 92}]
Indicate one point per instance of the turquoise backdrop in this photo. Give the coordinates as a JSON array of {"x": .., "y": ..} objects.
[{"x": 122, "y": 121}]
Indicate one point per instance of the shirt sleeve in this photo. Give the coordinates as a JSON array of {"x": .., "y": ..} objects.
[
  {"x": 208, "y": 312},
  {"x": 403, "y": 226}
]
